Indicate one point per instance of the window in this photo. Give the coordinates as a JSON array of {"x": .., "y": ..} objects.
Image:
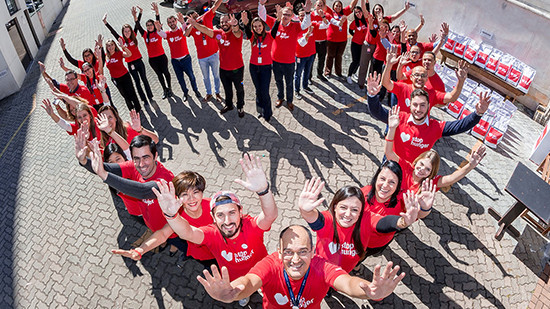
[
  {"x": 12, "y": 6},
  {"x": 34, "y": 6}
]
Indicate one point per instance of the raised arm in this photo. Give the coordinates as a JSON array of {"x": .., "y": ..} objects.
[
  {"x": 66, "y": 53},
  {"x": 421, "y": 24},
  {"x": 155, "y": 240},
  {"x": 135, "y": 122},
  {"x": 309, "y": 201},
  {"x": 391, "y": 60},
  {"x": 137, "y": 26},
  {"x": 468, "y": 122},
  {"x": 98, "y": 52},
  {"x": 460, "y": 173},
  {"x": 202, "y": 28},
  {"x": 103, "y": 125},
  {"x": 461, "y": 74},
  {"x": 381, "y": 286},
  {"x": 256, "y": 182},
  {"x": 220, "y": 288},
  {"x": 46, "y": 77},
  {"x": 216, "y": 5},
  {"x": 307, "y": 19},
  {"x": 403, "y": 61},
  {"x": 393, "y": 123},
  {"x": 400, "y": 13},
  {"x": 237, "y": 32},
  {"x": 443, "y": 39},
  {"x": 113, "y": 31}
]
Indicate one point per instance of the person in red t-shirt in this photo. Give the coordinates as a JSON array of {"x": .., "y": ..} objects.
[
  {"x": 295, "y": 277},
  {"x": 128, "y": 130},
  {"x": 412, "y": 36},
  {"x": 207, "y": 50},
  {"x": 408, "y": 61},
  {"x": 84, "y": 118},
  {"x": 434, "y": 81},
  {"x": 72, "y": 88},
  {"x": 230, "y": 43},
  {"x": 319, "y": 15},
  {"x": 358, "y": 29},
  {"x": 285, "y": 33},
  {"x": 344, "y": 231},
  {"x": 135, "y": 63},
  {"x": 337, "y": 36},
  {"x": 157, "y": 57},
  {"x": 88, "y": 55},
  {"x": 419, "y": 76},
  {"x": 120, "y": 75},
  {"x": 260, "y": 62}
]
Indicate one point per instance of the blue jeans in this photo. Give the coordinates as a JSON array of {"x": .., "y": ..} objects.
[
  {"x": 211, "y": 63},
  {"x": 286, "y": 71},
  {"x": 303, "y": 65},
  {"x": 181, "y": 66},
  {"x": 261, "y": 77}
]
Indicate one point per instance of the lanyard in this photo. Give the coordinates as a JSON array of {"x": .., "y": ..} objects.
[
  {"x": 259, "y": 47},
  {"x": 295, "y": 301}
]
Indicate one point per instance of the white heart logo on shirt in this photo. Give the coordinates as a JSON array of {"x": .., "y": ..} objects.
[
  {"x": 171, "y": 39},
  {"x": 227, "y": 255},
  {"x": 407, "y": 102},
  {"x": 281, "y": 300},
  {"x": 222, "y": 40},
  {"x": 332, "y": 247},
  {"x": 405, "y": 137},
  {"x": 244, "y": 246},
  {"x": 197, "y": 32}
]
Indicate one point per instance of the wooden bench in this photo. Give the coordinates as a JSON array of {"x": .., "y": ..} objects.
[{"x": 484, "y": 77}]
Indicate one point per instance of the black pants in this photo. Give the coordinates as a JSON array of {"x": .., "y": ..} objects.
[
  {"x": 355, "y": 58},
  {"x": 160, "y": 66},
  {"x": 233, "y": 78},
  {"x": 137, "y": 70},
  {"x": 126, "y": 89},
  {"x": 321, "y": 52},
  {"x": 378, "y": 67}
]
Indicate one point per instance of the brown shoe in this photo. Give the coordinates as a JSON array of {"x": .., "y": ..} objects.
[
  {"x": 208, "y": 97},
  {"x": 290, "y": 106},
  {"x": 279, "y": 103},
  {"x": 219, "y": 97}
]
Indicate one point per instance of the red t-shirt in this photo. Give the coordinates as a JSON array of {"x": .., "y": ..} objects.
[
  {"x": 342, "y": 254},
  {"x": 75, "y": 126},
  {"x": 231, "y": 50},
  {"x": 408, "y": 180},
  {"x": 309, "y": 49},
  {"x": 335, "y": 33},
  {"x": 322, "y": 275},
  {"x": 239, "y": 254},
  {"x": 380, "y": 51},
  {"x": 98, "y": 99},
  {"x": 154, "y": 44},
  {"x": 197, "y": 251},
  {"x": 116, "y": 66},
  {"x": 284, "y": 45},
  {"x": 177, "y": 43},
  {"x": 407, "y": 69},
  {"x": 130, "y": 134},
  {"x": 132, "y": 47},
  {"x": 360, "y": 32},
  {"x": 423, "y": 47},
  {"x": 261, "y": 51},
  {"x": 411, "y": 140},
  {"x": 81, "y": 91},
  {"x": 378, "y": 240},
  {"x": 435, "y": 82},
  {"x": 319, "y": 35},
  {"x": 403, "y": 92},
  {"x": 150, "y": 209},
  {"x": 206, "y": 46}
]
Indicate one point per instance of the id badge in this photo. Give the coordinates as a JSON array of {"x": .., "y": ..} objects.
[
  {"x": 298, "y": 60},
  {"x": 259, "y": 60},
  {"x": 96, "y": 101},
  {"x": 132, "y": 67},
  {"x": 204, "y": 42}
]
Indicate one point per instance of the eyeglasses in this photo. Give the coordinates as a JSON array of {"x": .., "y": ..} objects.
[
  {"x": 70, "y": 79},
  {"x": 415, "y": 52},
  {"x": 287, "y": 14},
  {"x": 287, "y": 253},
  {"x": 419, "y": 75}
]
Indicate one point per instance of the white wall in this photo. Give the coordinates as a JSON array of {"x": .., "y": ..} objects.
[{"x": 517, "y": 31}]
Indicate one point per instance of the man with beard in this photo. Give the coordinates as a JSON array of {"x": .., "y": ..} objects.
[
  {"x": 417, "y": 132},
  {"x": 230, "y": 43},
  {"x": 181, "y": 60},
  {"x": 235, "y": 239},
  {"x": 295, "y": 277}
]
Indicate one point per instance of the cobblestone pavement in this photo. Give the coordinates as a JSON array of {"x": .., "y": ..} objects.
[{"x": 59, "y": 222}]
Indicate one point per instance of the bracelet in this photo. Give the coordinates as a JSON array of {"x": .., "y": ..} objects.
[
  {"x": 264, "y": 192},
  {"x": 134, "y": 250},
  {"x": 389, "y": 140},
  {"x": 377, "y": 299},
  {"x": 168, "y": 217},
  {"x": 480, "y": 115},
  {"x": 109, "y": 133},
  {"x": 140, "y": 130},
  {"x": 426, "y": 209}
]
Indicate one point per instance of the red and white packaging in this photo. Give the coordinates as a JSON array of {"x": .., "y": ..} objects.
[
  {"x": 542, "y": 146},
  {"x": 483, "y": 53},
  {"x": 494, "y": 58},
  {"x": 455, "y": 108},
  {"x": 504, "y": 65},
  {"x": 515, "y": 73},
  {"x": 460, "y": 46},
  {"x": 471, "y": 51},
  {"x": 470, "y": 106},
  {"x": 493, "y": 137},
  {"x": 451, "y": 42},
  {"x": 526, "y": 79},
  {"x": 481, "y": 129},
  {"x": 479, "y": 90}
]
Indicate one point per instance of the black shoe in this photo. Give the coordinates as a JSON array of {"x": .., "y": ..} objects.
[
  {"x": 241, "y": 113},
  {"x": 321, "y": 77},
  {"x": 225, "y": 109},
  {"x": 308, "y": 90},
  {"x": 185, "y": 97},
  {"x": 170, "y": 93},
  {"x": 173, "y": 253},
  {"x": 198, "y": 95},
  {"x": 260, "y": 115},
  {"x": 182, "y": 259},
  {"x": 165, "y": 94}
]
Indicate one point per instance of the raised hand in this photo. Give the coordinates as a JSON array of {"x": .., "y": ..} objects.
[
  {"x": 483, "y": 104},
  {"x": 307, "y": 7},
  {"x": 104, "y": 19},
  {"x": 308, "y": 200},
  {"x": 97, "y": 51},
  {"x": 462, "y": 71},
  {"x": 433, "y": 38},
  {"x": 166, "y": 196},
  {"x": 155, "y": 7},
  {"x": 393, "y": 117},
  {"x": 42, "y": 67},
  {"x": 403, "y": 26},
  {"x": 218, "y": 286},
  {"x": 181, "y": 18},
  {"x": 140, "y": 9},
  {"x": 255, "y": 175},
  {"x": 85, "y": 126},
  {"x": 412, "y": 208},
  {"x": 158, "y": 26},
  {"x": 120, "y": 42},
  {"x": 47, "y": 106},
  {"x": 244, "y": 18},
  {"x": 279, "y": 12},
  {"x": 422, "y": 20},
  {"x": 232, "y": 20},
  {"x": 391, "y": 57},
  {"x": 103, "y": 124},
  {"x": 444, "y": 30},
  {"x": 62, "y": 63},
  {"x": 97, "y": 160},
  {"x": 80, "y": 146},
  {"x": 135, "y": 121},
  {"x": 427, "y": 195},
  {"x": 62, "y": 43},
  {"x": 134, "y": 12},
  {"x": 382, "y": 285},
  {"x": 478, "y": 155},
  {"x": 405, "y": 59},
  {"x": 132, "y": 254},
  {"x": 407, "y": 5},
  {"x": 101, "y": 82},
  {"x": 373, "y": 84},
  {"x": 99, "y": 41}
]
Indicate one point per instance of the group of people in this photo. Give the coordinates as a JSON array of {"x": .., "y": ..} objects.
[{"x": 216, "y": 231}]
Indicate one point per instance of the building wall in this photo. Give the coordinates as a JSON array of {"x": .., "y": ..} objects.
[
  {"x": 12, "y": 72},
  {"x": 518, "y": 30}
]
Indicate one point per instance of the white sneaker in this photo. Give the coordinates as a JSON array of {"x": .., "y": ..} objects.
[
  {"x": 298, "y": 95},
  {"x": 243, "y": 302},
  {"x": 349, "y": 80}
]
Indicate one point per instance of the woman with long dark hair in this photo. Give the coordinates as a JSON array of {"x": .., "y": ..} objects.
[
  {"x": 337, "y": 36},
  {"x": 88, "y": 55},
  {"x": 119, "y": 73},
  {"x": 358, "y": 29},
  {"x": 135, "y": 63}
]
